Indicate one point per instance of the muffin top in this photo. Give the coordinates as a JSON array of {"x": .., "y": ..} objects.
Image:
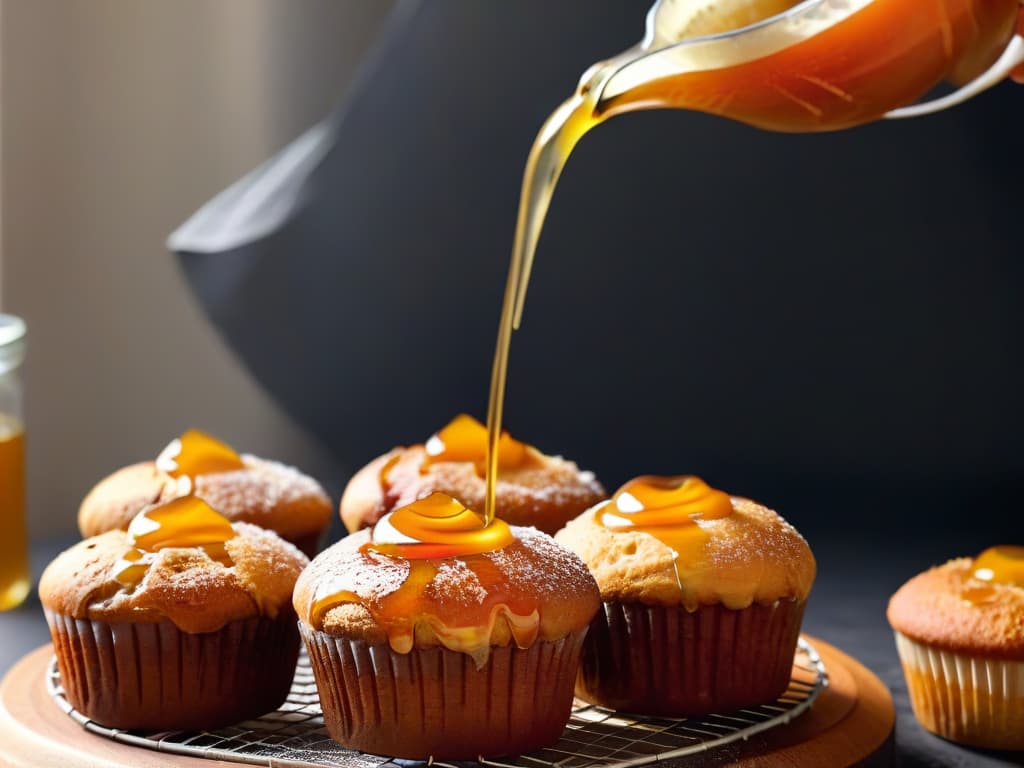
[
  {"x": 966, "y": 606},
  {"x": 242, "y": 488},
  {"x": 433, "y": 574},
  {"x": 180, "y": 561},
  {"x": 532, "y": 488},
  {"x": 672, "y": 541}
]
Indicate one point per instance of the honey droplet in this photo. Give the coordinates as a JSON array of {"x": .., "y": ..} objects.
[
  {"x": 437, "y": 527},
  {"x": 1001, "y": 565},
  {"x": 197, "y": 453},
  {"x": 465, "y": 439}
]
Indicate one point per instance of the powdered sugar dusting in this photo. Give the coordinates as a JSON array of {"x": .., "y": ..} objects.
[
  {"x": 549, "y": 568},
  {"x": 183, "y": 584},
  {"x": 456, "y": 583},
  {"x": 534, "y": 574}
]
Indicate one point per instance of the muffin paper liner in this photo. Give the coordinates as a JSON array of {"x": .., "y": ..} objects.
[
  {"x": 660, "y": 660},
  {"x": 154, "y": 675},
  {"x": 435, "y": 703},
  {"x": 965, "y": 698}
]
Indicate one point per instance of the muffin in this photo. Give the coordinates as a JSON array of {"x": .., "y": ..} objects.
[
  {"x": 960, "y": 635},
  {"x": 702, "y": 597},
  {"x": 532, "y": 489},
  {"x": 184, "y": 621},
  {"x": 243, "y": 488},
  {"x": 435, "y": 636}
]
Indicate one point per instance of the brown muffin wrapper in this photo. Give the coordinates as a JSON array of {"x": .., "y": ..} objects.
[
  {"x": 668, "y": 661},
  {"x": 155, "y": 676},
  {"x": 435, "y": 703},
  {"x": 965, "y": 698}
]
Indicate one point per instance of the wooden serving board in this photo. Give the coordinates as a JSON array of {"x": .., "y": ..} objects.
[{"x": 850, "y": 724}]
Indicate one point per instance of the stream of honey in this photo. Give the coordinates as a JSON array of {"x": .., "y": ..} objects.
[{"x": 885, "y": 55}]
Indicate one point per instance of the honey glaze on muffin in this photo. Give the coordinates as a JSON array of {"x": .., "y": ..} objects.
[
  {"x": 967, "y": 605},
  {"x": 241, "y": 487},
  {"x": 185, "y": 522},
  {"x": 532, "y": 487},
  {"x": 675, "y": 540},
  {"x": 180, "y": 561},
  {"x": 197, "y": 453},
  {"x": 433, "y": 573}
]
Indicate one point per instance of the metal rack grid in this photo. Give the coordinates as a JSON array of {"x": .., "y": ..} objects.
[{"x": 295, "y": 735}]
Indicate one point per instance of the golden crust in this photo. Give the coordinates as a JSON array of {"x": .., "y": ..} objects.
[
  {"x": 265, "y": 493},
  {"x": 947, "y": 608},
  {"x": 567, "y": 597},
  {"x": 545, "y": 493},
  {"x": 750, "y": 556},
  {"x": 183, "y": 585}
]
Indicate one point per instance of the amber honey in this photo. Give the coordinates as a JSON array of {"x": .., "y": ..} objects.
[
  {"x": 886, "y": 55},
  {"x": 14, "y": 572},
  {"x": 184, "y": 522}
]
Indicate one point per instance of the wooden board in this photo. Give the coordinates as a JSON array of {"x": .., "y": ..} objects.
[{"x": 849, "y": 725}]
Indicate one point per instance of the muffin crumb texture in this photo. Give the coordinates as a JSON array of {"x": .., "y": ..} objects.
[
  {"x": 948, "y": 608},
  {"x": 266, "y": 493},
  {"x": 749, "y": 556},
  {"x": 184, "y": 585}
]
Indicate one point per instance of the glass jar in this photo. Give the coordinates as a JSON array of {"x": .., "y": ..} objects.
[{"x": 14, "y": 572}]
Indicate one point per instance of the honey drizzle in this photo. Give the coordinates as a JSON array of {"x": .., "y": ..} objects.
[
  {"x": 836, "y": 78},
  {"x": 411, "y": 547},
  {"x": 557, "y": 138},
  {"x": 197, "y": 453}
]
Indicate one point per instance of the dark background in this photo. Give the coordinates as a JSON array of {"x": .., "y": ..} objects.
[{"x": 827, "y": 323}]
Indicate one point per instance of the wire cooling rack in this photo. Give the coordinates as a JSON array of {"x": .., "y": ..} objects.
[{"x": 295, "y": 736}]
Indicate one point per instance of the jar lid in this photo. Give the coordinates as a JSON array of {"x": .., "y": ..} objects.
[{"x": 12, "y": 329}]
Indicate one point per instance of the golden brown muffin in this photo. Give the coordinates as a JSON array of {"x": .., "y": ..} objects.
[
  {"x": 264, "y": 493},
  {"x": 184, "y": 621},
  {"x": 703, "y": 596},
  {"x": 424, "y": 612},
  {"x": 960, "y": 635},
  {"x": 532, "y": 489}
]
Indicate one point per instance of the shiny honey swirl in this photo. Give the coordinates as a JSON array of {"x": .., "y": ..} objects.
[
  {"x": 435, "y": 550},
  {"x": 185, "y": 522},
  {"x": 668, "y": 509},
  {"x": 465, "y": 439},
  {"x": 197, "y": 453}
]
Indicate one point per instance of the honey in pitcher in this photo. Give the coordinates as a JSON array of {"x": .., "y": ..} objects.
[
  {"x": 14, "y": 572},
  {"x": 885, "y": 55}
]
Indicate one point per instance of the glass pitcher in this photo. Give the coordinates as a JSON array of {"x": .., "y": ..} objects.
[{"x": 808, "y": 66}]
